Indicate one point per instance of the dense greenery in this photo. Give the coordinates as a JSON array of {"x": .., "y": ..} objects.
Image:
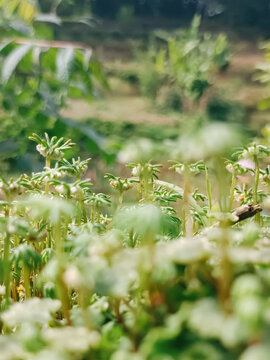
[
  {"x": 172, "y": 262},
  {"x": 174, "y": 275},
  {"x": 38, "y": 77}
]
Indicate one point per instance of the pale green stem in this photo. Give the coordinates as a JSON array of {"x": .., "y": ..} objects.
[
  {"x": 183, "y": 218},
  {"x": 83, "y": 297},
  {"x": 232, "y": 189},
  {"x": 61, "y": 286},
  {"x": 26, "y": 280},
  {"x": 256, "y": 186},
  {"x": 224, "y": 283},
  {"x": 98, "y": 213},
  {"x": 120, "y": 199},
  {"x": 7, "y": 267},
  {"x": 208, "y": 188},
  {"x": 47, "y": 186},
  {"x": 93, "y": 210},
  {"x": 186, "y": 216},
  {"x": 257, "y": 177},
  {"x": 139, "y": 190}
]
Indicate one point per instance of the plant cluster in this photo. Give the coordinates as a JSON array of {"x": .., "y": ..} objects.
[
  {"x": 177, "y": 69},
  {"x": 174, "y": 275}
]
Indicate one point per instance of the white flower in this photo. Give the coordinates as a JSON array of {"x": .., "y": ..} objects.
[
  {"x": 114, "y": 183},
  {"x": 127, "y": 186},
  {"x": 41, "y": 149},
  {"x": 136, "y": 171},
  {"x": 12, "y": 187},
  {"x": 230, "y": 168},
  {"x": 72, "y": 276},
  {"x": 2, "y": 290},
  {"x": 60, "y": 189},
  {"x": 11, "y": 228},
  {"x": 73, "y": 190}
]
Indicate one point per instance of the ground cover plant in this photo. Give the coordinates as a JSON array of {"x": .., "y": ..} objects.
[
  {"x": 154, "y": 268},
  {"x": 181, "y": 273}
]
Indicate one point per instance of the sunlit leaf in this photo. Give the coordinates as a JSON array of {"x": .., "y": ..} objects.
[
  {"x": 64, "y": 63},
  {"x": 12, "y": 61}
]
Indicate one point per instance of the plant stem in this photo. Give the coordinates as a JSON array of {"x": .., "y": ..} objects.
[
  {"x": 93, "y": 213},
  {"x": 48, "y": 165},
  {"x": 183, "y": 218},
  {"x": 7, "y": 267},
  {"x": 98, "y": 213},
  {"x": 208, "y": 187},
  {"x": 83, "y": 299},
  {"x": 26, "y": 280},
  {"x": 139, "y": 190},
  {"x": 186, "y": 216},
  {"x": 256, "y": 186},
  {"x": 120, "y": 199},
  {"x": 224, "y": 281},
  {"x": 61, "y": 286},
  {"x": 49, "y": 237},
  {"x": 232, "y": 190}
]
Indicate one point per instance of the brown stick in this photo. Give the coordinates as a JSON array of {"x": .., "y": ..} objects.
[{"x": 246, "y": 211}]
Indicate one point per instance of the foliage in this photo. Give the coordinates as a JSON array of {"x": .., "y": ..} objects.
[
  {"x": 184, "y": 65},
  {"x": 174, "y": 274},
  {"x": 39, "y": 75}
]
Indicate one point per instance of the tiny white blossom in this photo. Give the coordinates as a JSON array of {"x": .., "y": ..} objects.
[
  {"x": 2, "y": 290},
  {"x": 72, "y": 276},
  {"x": 60, "y": 189}
]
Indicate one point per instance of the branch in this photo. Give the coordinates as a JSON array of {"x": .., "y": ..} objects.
[
  {"x": 247, "y": 211},
  {"x": 50, "y": 43}
]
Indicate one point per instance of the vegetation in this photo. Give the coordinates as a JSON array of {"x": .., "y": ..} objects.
[
  {"x": 178, "y": 74},
  {"x": 174, "y": 274},
  {"x": 169, "y": 260}
]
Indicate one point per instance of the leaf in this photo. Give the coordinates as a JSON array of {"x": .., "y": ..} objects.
[
  {"x": 26, "y": 10},
  {"x": 12, "y": 61},
  {"x": 86, "y": 58},
  {"x": 4, "y": 44},
  {"x": 64, "y": 62},
  {"x": 49, "y": 18},
  {"x": 170, "y": 186},
  {"x": 21, "y": 27},
  {"x": 264, "y": 104}
]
